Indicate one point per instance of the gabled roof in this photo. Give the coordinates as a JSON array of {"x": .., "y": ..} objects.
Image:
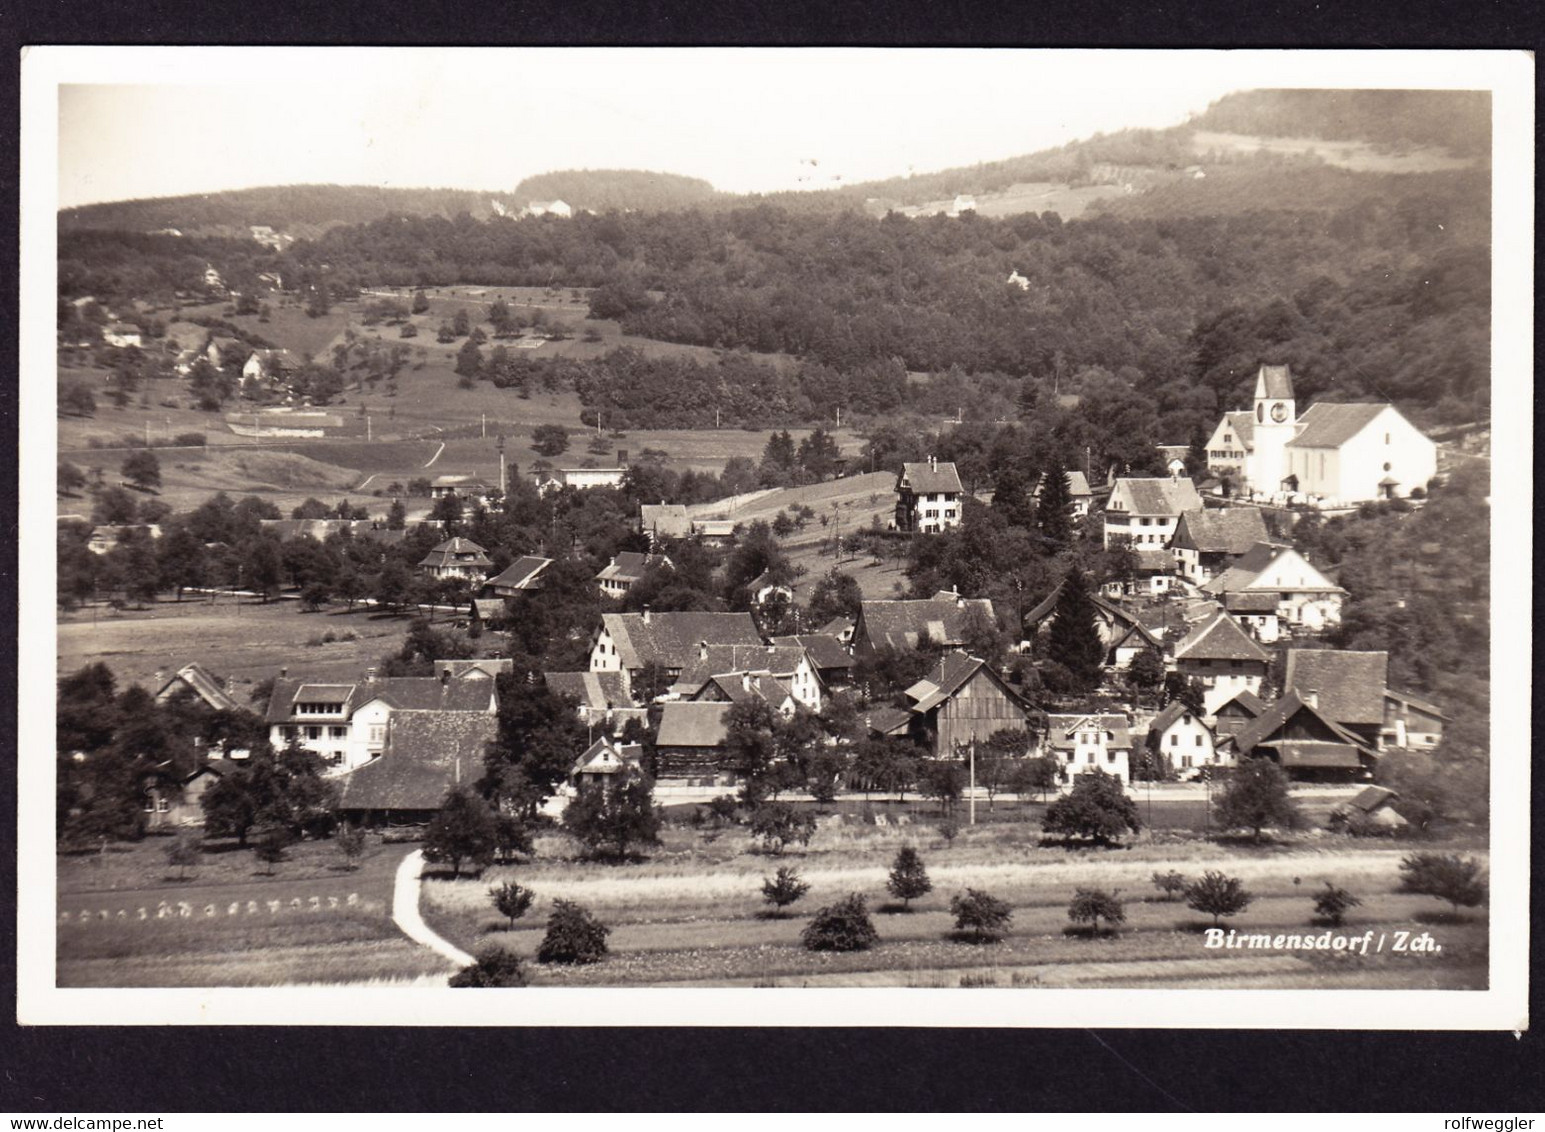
[
  {"x": 1243, "y": 424},
  {"x": 1078, "y": 486},
  {"x": 522, "y": 574},
  {"x": 474, "y": 670},
  {"x": 1243, "y": 601},
  {"x": 837, "y": 627},
  {"x": 1062, "y": 730},
  {"x": 900, "y": 624},
  {"x": 597, "y": 691},
  {"x": 926, "y": 477},
  {"x": 673, "y": 639},
  {"x": 1427, "y": 707},
  {"x": 825, "y": 651},
  {"x": 1151, "y": 561},
  {"x": 665, "y": 520},
  {"x": 1348, "y": 686},
  {"x": 1247, "y": 569},
  {"x": 1328, "y": 424},
  {"x": 1371, "y": 798},
  {"x": 203, "y": 684},
  {"x": 1220, "y": 639},
  {"x": 691, "y": 724},
  {"x": 1225, "y": 530},
  {"x": 403, "y": 693},
  {"x": 1173, "y": 712},
  {"x": 1260, "y": 729},
  {"x": 1246, "y": 702},
  {"x": 888, "y": 720},
  {"x": 945, "y": 679},
  {"x": 1153, "y": 496},
  {"x": 457, "y": 551},
  {"x": 630, "y": 566},
  {"x": 605, "y": 757},
  {"x": 742, "y": 687},
  {"x": 1274, "y": 382},
  {"x": 427, "y": 753},
  {"x": 779, "y": 660}
]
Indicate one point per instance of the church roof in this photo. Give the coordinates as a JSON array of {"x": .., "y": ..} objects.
[
  {"x": 1275, "y": 382},
  {"x": 1330, "y": 425}
]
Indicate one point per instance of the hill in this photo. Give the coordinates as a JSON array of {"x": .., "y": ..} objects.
[
  {"x": 1457, "y": 120},
  {"x": 601, "y": 190}
]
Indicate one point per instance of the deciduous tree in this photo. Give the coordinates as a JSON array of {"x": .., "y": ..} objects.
[
  {"x": 1217, "y": 895},
  {"x": 1097, "y": 808},
  {"x": 908, "y": 878}
]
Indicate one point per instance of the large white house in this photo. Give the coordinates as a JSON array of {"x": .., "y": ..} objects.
[
  {"x": 1145, "y": 511},
  {"x": 1333, "y": 453},
  {"x": 928, "y": 496},
  {"x": 1302, "y": 595}
]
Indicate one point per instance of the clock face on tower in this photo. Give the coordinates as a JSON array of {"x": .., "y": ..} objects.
[{"x": 1279, "y": 412}]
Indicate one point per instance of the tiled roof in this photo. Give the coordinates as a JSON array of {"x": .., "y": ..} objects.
[
  {"x": 1173, "y": 711},
  {"x": 1274, "y": 381},
  {"x": 1264, "y": 601},
  {"x": 1314, "y": 753},
  {"x": 1247, "y": 569},
  {"x": 673, "y": 639},
  {"x": 1261, "y": 728},
  {"x": 1370, "y": 798},
  {"x": 742, "y": 687},
  {"x": 522, "y": 574},
  {"x": 1330, "y": 425},
  {"x": 605, "y": 757},
  {"x": 427, "y": 753},
  {"x": 665, "y": 520},
  {"x": 1348, "y": 686},
  {"x": 688, "y": 724},
  {"x": 474, "y": 669},
  {"x": 1151, "y": 561},
  {"x": 946, "y": 678},
  {"x": 1243, "y": 424},
  {"x": 404, "y": 693},
  {"x": 1248, "y": 700},
  {"x": 630, "y": 565},
  {"x": 887, "y": 720},
  {"x": 1226, "y": 530},
  {"x": 836, "y": 627},
  {"x": 599, "y": 691},
  {"x": 1161, "y": 496},
  {"x": 899, "y": 624},
  {"x": 1219, "y": 639},
  {"x": 924, "y": 477},
  {"x": 780, "y": 660},
  {"x": 457, "y": 551},
  {"x": 204, "y": 685},
  {"x": 1409, "y": 700},
  {"x": 825, "y": 651},
  {"x": 1061, "y": 730}
]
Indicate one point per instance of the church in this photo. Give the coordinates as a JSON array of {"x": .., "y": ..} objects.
[{"x": 1333, "y": 453}]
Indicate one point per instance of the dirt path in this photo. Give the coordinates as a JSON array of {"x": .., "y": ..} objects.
[
  {"x": 406, "y": 915},
  {"x": 436, "y": 456}
]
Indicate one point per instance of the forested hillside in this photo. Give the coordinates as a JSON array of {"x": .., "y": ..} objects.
[
  {"x": 1457, "y": 120},
  {"x": 602, "y": 190}
]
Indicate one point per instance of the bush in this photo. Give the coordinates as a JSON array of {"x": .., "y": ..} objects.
[
  {"x": 512, "y": 900},
  {"x": 1091, "y": 905},
  {"x": 843, "y": 926},
  {"x": 351, "y": 844},
  {"x": 908, "y": 879},
  {"x": 1449, "y": 877},
  {"x": 573, "y": 936},
  {"x": 778, "y": 824},
  {"x": 984, "y": 916},
  {"x": 1172, "y": 884},
  {"x": 269, "y": 843},
  {"x": 1217, "y": 895},
  {"x": 783, "y": 888},
  {"x": 494, "y": 968},
  {"x": 182, "y": 854},
  {"x": 1331, "y": 904}
]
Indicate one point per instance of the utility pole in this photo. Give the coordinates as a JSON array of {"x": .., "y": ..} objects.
[
  {"x": 368, "y": 436},
  {"x": 501, "y": 464},
  {"x": 483, "y": 424},
  {"x": 973, "y": 780}
]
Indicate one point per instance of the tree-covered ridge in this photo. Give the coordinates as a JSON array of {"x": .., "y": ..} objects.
[
  {"x": 1458, "y": 120},
  {"x": 601, "y": 190}
]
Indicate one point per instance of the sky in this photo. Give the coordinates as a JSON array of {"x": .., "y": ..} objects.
[{"x": 169, "y": 121}]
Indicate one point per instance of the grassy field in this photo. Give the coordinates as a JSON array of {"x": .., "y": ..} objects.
[
  {"x": 692, "y": 914},
  {"x": 244, "y": 642},
  {"x": 125, "y": 920}
]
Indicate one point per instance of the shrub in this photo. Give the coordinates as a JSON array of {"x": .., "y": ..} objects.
[
  {"x": 1091, "y": 905},
  {"x": 949, "y": 829},
  {"x": 182, "y": 854},
  {"x": 908, "y": 879},
  {"x": 778, "y": 824},
  {"x": 783, "y": 888},
  {"x": 512, "y": 900},
  {"x": 1449, "y": 877},
  {"x": 351, "y": 844},
  {"x": 1331, "y": 904},
  {"x": 984, "y": 916},
  {"x": 1172, "y": 884},
  {"x": 1217, "y": 895},
  {"x": 573, "y": 936},
  {"x": 495, "y": 967},
  {"x": 843, "y": 926},
  {"x": 269, "y": 843}
]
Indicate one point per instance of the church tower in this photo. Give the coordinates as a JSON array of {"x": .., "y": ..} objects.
[{"x": 1275, "y": 424}]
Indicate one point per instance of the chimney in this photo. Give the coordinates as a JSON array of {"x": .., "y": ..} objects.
[
  {"x": 370, "y": 674},
  {"x": 283, "y": 672},
  {"x": 1310, "y": 698},
  {"x": 646, "y": 615},
  {"x": 745, "y": 680},
  {"x": 702, "y": 650},
  {"x": 445, "y": 676}
]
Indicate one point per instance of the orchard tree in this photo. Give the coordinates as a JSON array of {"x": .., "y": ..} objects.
[
  {"x": 1217, "y": 895},
  {"x": 182, "y": 854},
  {"x": 843, "y": 926},
  {"x": 550, "y": 439},
  {"x": 1172, "y": 884},
  {"x": 783, "y": 889},
  {"x": 1091, "y": 905},
  {"x": 1257, "y": 797},
  {"x": 984, "y": 916},
  {"x": 420, "y": 301},
  {"x": 1458, "y": 880},
  {"x": 1097, "y": 808},
  {"x": 611, "y": 816},
  {"x": 495, "y": 967},
  {"x": 1331, "y": 904},
  {"x": 350, "y": 840},
  {"x": 464, "y": 831},
  {"x": 908, "y": 878},
  {"x": 573, "y": 936},
  {"x": 71, "y": 479},
  {"x": 141, "y": 469},
  {"x": 512, "y": 900}
]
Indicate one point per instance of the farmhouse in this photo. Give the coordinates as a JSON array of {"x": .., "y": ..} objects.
[
  {"x": 789, "y": 664},
  {"x": 1207, "y": 542},
  {"x": 1347, "y": 687},
  {"x": 743, "y": 687},
  {"x": 626, "y": 569},
  {"x": 1184, "y": 740},
  {"x": 1078, "y": 491},
  {"x": 1307, "y": 745},
  {"x": 268, "y": 367},
  {"x": 524, "y": 575},
  {"x": 580, "y": 478},
  {"x": 1082, "y": 743},
  {"x": 663, "y": 522},
  {"x": 605, "y": 761},
  {"x": 456, "y": 558},
  {"x": 1304, "y": 596},
  {"x": 943, "y": 620},
  {"x": 769, "y": 587},
  {"x": 122, "y": 335},
  {"x": 490, "y": 669},
  {"x": 690, "y": 742},
  {"x": 106, "y": 538},
  {"x": 1410, "y": 722},
  {"x": 833, "y": 663},
  {"x": 1121, "y": 632},
  {"x": 172, "y": 802},
  {"x": 928, "y": 496},
  {"x": 1224, "y": 658},
  {"x": 1372, "y": 805},
  {"x": 961, "y": 701},
  {"x": 198, "y": 680},
  {"x": 1146, "y": 511},
  {"x": 425, "y": 755},
  {"x": 461, "y": 485},
  {"x": 1231, "y": 717},
  {"x": 668, "y": 642},
  {"x": 603, "y": 697},
  {"x": 714, "y": 532}
]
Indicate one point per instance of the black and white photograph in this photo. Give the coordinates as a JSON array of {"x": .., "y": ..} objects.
[{"x": 776, "y": 536}]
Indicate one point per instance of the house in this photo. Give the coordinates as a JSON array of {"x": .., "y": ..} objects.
[
  {"x": 491, "y": 613},
  {"x": 667, "y": 642},
  {"x": 1232, "y": 716},
  {"x": 1082, "y": 743},
  {"x": 549, "y": 208},
  {"x": 1121, "y": 632},
  {"x": 1145, "y": 512},
  {"x": 457, "y": 558},
  {"x": 177, "y": 803},
  {"x": 106, "y": 538},
  {"x": 833, "y": 663},
  {"x": 1183, "y": 739},
  {"x": 463, "y": 486},
  {"x": 1174, "y": 457},
  {"x": 1333, "y": 453},
  {"x": 1078, "y": 491},
  {"x": 485, "y": 668},
  {"x": 1209, "y": 540},
  {"x": 742, "y": 687},
  {"x": 765, "y": 589},
  {"x": 212, "y": 278},
  {"x": 198, "y": 680},
  {"x": 1152, "y": 572},
  {"x": 1304, "y": 596},
  {"x": 690, "y": 742},
  {"x": 961, "y": 701},
  {"x": 963, "y": 202},
  {"x": 715, "y": 532},
  {"x": 1411, "y": 723},
  {"x": 663, "y": 522},
  {"x": 219, "y": 346},
  {"x": 425, "y": 755},
  {"x": 346, "y": 724},
  {"x": 841, "y": 628},
  {"x": 524, "y": 575},
  {"x": 1347, "y": 687},
  {"x": 1306, "y": 744},
  {"x": 122, "y": 335},
  {"x": 627, "y": 568},
  {"x": 1371, "y": 806},
  {"x": 1256, "y": 612},
  {"x": 1223, "y": 657},
  {"x": 906, "y": 624},
  {"x": 603, "y": 697},
  {"x": 789, "y": 664},
  {"x": 928, "y": 496},
  {"x": 605, "y": 761},
  {"x": 579, "y": 478},
  {"x": 268, "y": 367}
]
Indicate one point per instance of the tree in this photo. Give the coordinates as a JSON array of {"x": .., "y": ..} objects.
[
  {"x": 1074, "y": 641},
  {"x": 350, "y": 840},
  {"x": 944, "y": 779},
  {"x": 76, "y": 400},
  {"x": 1458, "y": 880},
  {"x": 512, "y": 900},
  {"x": 573, "y": 936},
  {"x": 1033, "y": 776},
  {"x": 115, "y": 507},
  {"x": 396, "y": 516},
  {"x": 1146, "y": 671},
  {"x": 469, "y": 360},
  {"x": 1331, "y": 904},
  {"x": 835, "y": 595},
  {"x": 1217, "y": 895},
  {"x": 269, "y": 844},
  {"x": 494, "y": 967},
  {"x": 182, "y": 854},
  {"x": 461, "y": 322},
  {"x": 1091, "y": 905},
  {"x": 181, "y": 560},
  {"x": 550, "y": 439},
  {"x": 1257, "y": 797},
  {"x": 778, "y": 825},
  {"x": 984, "y": 916},
  {"x": 908, "y": 878},
  {"x": 1188, "y": 690},
  {"x": 71, "y": 479},
  {"x": 843, "y": 926},
  {"x": 783, "y": 888},
  {"x": 1097, "y": 808},
  {"x": 1054, "y": 508},
  {"x": 420, "y": 301},
  {"x": 614, "y": 815},
  {"x": 463, "y": 831},
  {"x": 1172, "y": 884}
]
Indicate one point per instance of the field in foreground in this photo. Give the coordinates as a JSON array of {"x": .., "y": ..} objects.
[{"x": 692, "y": 914}]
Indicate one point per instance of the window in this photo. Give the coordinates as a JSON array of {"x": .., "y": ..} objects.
[
  {"x": 1386, "y": 467},
  {"x": 1174, "y": 740},
  {"x": 1386, "y": 441},
  {"x": 313, "y": 733},
  {"x": 337, "y": 732},
  {"x": 1198, "y": 740}
]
